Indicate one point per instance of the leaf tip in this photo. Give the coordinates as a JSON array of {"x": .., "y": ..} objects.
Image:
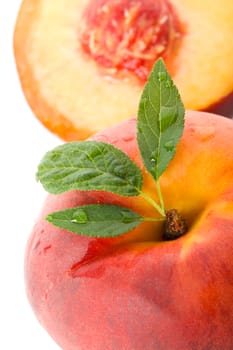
[{"x": 49, "y": 218}]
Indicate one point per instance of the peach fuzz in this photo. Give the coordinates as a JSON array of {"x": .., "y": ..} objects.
[
  {"x": 137, "y": 291},
  {"x": 67, "y": 75}
]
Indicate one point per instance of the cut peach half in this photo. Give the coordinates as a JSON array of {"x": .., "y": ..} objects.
[{"x": 81, "y": 61}]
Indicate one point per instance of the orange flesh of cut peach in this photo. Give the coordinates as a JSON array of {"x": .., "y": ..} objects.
[{"x": 72, "y": 98}]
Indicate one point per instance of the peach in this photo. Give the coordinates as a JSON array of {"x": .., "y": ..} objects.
[
  {"x": 138, "y": 291},
  {"x": 72, "y": 57}
]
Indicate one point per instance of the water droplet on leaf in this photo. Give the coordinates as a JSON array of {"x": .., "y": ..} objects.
[
  {"x": 125, "y": 216},
  {"x": 79, "y": 216},
  {"x": 162, "y": 76},
  {"x": 169, "y": 145},
  {"x": 168, "y": 118},
  {"x": 168, "y": 83},
  {"x": 140, "y": 130},
  {"x": 154, "y": 157}
]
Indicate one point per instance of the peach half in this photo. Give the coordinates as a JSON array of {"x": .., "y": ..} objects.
[{"x": 81, "y": 61}]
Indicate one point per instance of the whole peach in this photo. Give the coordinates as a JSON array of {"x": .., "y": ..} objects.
[{"x": 137, "y": 291}]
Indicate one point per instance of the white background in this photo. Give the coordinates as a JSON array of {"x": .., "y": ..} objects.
[{"x": 23, "y": 143}]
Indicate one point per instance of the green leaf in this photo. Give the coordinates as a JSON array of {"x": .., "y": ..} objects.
[
  {"x": 89, "y": 165},
  {"x": 96, "y": 220},
  {"x": 160, "y": 120}
]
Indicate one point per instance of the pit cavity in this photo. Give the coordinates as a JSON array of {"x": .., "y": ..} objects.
[{"x": 127, "y": 36}]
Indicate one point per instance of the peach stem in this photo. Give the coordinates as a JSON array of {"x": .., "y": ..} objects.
[{"x": 153, "y": 203}]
